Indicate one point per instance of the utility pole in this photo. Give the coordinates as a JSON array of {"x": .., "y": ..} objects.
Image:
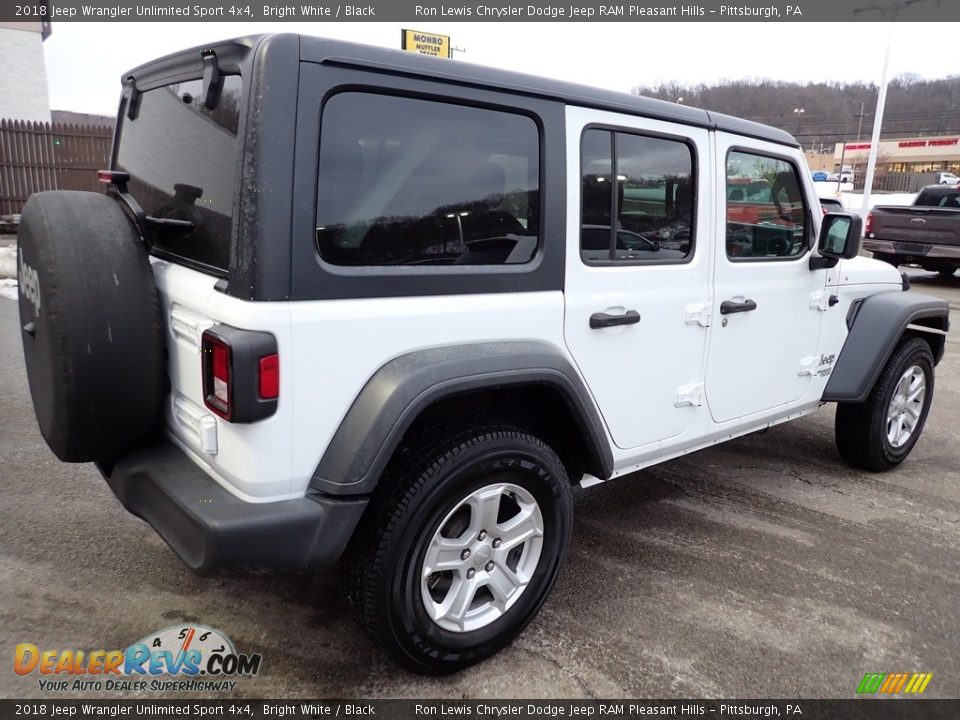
[{"x": 860, "y": 123}]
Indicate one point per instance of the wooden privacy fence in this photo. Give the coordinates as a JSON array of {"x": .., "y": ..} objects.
[
  {"x": 38, "y": 156},
  {"x": 896, "y": 182}
]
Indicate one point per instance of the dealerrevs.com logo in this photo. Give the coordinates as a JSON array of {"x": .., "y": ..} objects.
[{"x": 181, "y": 658}]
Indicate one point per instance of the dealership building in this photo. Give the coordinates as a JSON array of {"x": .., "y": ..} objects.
[{"x": 904, "y": 155}]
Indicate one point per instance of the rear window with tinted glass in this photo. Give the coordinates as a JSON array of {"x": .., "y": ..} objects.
[{"x": 182, "y": 160}]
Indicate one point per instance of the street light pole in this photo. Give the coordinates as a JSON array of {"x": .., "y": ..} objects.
[
  {"x": 893, "y": 10},
  {"x": 877, "y": 123}
]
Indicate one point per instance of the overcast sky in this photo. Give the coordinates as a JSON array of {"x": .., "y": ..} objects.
[{"x": 86, "y": 60}]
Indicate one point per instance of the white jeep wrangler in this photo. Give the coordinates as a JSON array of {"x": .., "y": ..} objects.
[{"x": 349, "y": 304}]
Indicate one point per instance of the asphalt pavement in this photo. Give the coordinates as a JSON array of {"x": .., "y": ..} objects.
[{"x": 764, "y": 567}]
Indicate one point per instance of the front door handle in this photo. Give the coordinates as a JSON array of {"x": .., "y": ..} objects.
[
  {"x": 728, "y": 307},
  {"x": 602, "y": 320}
]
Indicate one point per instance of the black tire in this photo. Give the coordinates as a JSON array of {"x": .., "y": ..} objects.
[
  {"x": 861, "y": 428},
  {"x": 427, "y": 480},
  {"x": 92, "y": 329}
]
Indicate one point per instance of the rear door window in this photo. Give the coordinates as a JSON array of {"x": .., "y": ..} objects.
[
  {"x": 647, "y": 184},
  {"x": 182, "y": 161},
  {"x": 406, "y": 181}
]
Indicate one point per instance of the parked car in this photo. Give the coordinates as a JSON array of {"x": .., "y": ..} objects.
[
  {"x": 819, "y": 175},
  {"x": 947, "y": 178},
  {"x": 344, "y": 303},
  {"x": 926, "y": 233},
  {"x": 843, "y": 177}
]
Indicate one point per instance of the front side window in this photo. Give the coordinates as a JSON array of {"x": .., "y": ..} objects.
[
  {"x": 646, "y": 184},
  {"x": 404, "y": 181},
  {"x": 766, "y": 210}
]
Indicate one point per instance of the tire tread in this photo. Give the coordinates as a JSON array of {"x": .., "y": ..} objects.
[
  {"x": 859, "y": 427},
  {"x": 416, "y": 463}
]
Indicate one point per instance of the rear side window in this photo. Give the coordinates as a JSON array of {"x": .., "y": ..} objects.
[
  {"x": 938, "y": 198},
  {"x": 766, "y": 210},
  {"x": 646, "y": 184},
  {"x": 182, "y": 160},
  {"x": 405, "y": 181}
]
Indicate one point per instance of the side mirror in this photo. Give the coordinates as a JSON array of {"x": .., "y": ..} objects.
[{"x": 840, "y": 235}]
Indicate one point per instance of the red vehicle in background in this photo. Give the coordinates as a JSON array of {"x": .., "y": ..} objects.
[{"x": 762, "y": 215}]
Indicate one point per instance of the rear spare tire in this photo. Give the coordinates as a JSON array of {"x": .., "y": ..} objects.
[{"x": 91, "y": 325}]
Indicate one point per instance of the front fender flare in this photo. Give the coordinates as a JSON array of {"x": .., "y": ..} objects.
[{"x": 876, "y": 325}]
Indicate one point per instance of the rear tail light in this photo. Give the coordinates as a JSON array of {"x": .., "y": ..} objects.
[
  {"x": 113, "y": 177},
  {"x": 241, "y": 373},
  {"x": 868, "y": 225},
  {"x": 269, "y": 380},
  {"x": 217, "y": 390}
]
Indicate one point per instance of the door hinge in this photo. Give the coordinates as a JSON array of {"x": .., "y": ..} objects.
[
  {"x": 689, "y": 395},
  {"x": 699, "y": 314},
  {"x": 822, "y": 300},
  {"x": 190, "y": 327},
  {"x": 808, "y": 366},
  {"x": 199, "y": 423}
]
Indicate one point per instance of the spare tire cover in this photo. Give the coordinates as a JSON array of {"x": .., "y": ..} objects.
[{"x": 91, "y": 326}]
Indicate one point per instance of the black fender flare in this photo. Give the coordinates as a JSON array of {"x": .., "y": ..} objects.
[
  {"x": 877, "y": 323},
  {"x": 401, "y": 389}
]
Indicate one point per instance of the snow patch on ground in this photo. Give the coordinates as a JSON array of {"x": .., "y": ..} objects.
[
  {"x": 8, "y": 289},
  {"x": 8, "y": 261},
  {"x": 854, "y": 201}
]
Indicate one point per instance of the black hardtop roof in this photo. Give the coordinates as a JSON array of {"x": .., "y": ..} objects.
[{"x": 342, "y": 53}]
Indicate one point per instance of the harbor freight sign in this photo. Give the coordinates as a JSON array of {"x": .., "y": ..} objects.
[{"x": 426, "y": 43}]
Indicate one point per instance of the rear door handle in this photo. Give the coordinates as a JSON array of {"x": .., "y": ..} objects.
[
  {"x": 728, "y": 307},
  {"x": 602, "y": 320}
]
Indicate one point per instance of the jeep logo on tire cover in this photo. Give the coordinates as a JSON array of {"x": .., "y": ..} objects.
[{"x": 29, "y": 285}]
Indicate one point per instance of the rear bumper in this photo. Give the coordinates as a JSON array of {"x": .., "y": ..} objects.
[
  {"x": 211, "y": 529},
  {"x": 914, "y": 250}
]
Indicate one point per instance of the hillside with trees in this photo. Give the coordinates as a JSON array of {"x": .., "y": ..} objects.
[{"x": 830, "y": 110}]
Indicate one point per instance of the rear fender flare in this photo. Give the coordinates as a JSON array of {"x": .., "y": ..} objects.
[{"x": 401, "y": 389}]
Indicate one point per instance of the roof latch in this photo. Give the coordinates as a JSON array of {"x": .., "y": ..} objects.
[
  {"x": 212, "y": 80},
  {"x": 133, "y": 101}
]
